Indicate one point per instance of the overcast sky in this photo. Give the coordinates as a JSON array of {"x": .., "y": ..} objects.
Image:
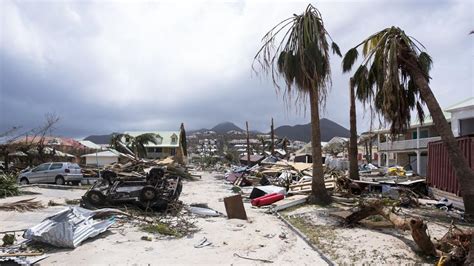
[{"x": 106, "y": 66}]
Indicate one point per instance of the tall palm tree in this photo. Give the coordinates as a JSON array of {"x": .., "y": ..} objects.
[
  {"x": 301, "y": 58},
  {"x": 353, "y": 165},
  {"x": 394, "y": 78}
]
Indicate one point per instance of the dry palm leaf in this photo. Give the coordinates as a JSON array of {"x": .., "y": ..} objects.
[{"x": 22, "y": 205}]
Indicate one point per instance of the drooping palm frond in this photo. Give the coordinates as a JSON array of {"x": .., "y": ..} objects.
[
  {"x": 140, "y": 141},
  {"x": 301, "y": 57},
  {"x": 383, "y": 79}
]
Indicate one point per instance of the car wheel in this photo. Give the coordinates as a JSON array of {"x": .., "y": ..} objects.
[
  {"x": 75, "y": 183},
  {"x": 148, "y": 193},
  {"x": 95, "y": 197},
  {"x": 24, "y": 181},
  {"x": 59, "y": 180}
]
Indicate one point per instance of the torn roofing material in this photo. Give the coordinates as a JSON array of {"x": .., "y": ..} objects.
[{"x": 69, "y": 227}]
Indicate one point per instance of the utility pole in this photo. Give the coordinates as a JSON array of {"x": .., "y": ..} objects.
[
  {"x": 248, "y": 143},
  {"x": 273, "y": 138}
]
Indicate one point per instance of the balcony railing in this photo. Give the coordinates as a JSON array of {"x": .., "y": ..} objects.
[{"x": 410, "y": 144}]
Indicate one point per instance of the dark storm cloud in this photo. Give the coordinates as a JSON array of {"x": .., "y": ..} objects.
[{"x": 105, "y": 66}]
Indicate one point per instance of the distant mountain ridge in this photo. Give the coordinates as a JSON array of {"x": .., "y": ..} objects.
[
  {"x": 329, "y": 129},
  {"x": 225, "y": 127}
]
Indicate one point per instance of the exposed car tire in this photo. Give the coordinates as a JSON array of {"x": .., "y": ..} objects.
[
  {"x": 24, "y": 181},
  {"x": 148, "y": 193},
  {"x": 59, "y": 180},
  {"x": 95, "y": 197}
]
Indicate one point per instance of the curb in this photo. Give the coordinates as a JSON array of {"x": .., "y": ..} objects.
[{"x": 305, "y": 239}]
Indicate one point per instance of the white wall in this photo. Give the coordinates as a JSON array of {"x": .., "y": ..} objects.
[
  {"x": 458, "y": 115},
  {"x": 102, "y": 160}
]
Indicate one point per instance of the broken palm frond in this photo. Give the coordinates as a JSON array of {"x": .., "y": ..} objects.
[
  {"x": 8, "y": 186},
  {"x": 22, "y": 205},
  {"x": 453, "y": 247}
]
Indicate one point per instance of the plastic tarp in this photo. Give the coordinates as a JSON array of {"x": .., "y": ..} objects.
[
  {"x": 70, "y": 227},
  {"x": 264, "y": 190}
]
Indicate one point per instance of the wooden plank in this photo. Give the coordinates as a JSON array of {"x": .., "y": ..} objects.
[{"x": 235, "y": 207}]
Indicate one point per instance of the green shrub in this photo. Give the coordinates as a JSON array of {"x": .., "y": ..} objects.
[{"x": 8, "y": 186}]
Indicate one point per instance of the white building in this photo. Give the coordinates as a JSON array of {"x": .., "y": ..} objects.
[{"x": 101, "y": 158}]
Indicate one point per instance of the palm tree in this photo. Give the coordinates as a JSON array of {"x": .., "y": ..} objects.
[
  {"x": 138, "y": 143},
  {"x": 302, "y": 60},
  {"x": 394, "y": 79},
  {"x": 353, "y": 165}
]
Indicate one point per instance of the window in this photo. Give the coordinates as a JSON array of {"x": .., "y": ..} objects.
[
  {"x": 173, "y": 151},
  {"x": 42, "y": 167},
  {"x": 56, "y": 166}
]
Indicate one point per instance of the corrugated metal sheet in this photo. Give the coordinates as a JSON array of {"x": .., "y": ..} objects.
[
  {"x": 440, "y": 172},
  {"x": 71, "y": 226}
]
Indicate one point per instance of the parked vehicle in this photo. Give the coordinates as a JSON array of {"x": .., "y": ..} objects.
[{"x": 56, "y": 172}]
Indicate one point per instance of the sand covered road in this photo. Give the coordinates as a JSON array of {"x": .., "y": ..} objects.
[{"x": 259, "y": 237}]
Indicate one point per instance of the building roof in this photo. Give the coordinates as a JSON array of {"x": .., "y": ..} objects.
[
  {"x": 52, "y": 141},
  {"x": 467, "y": 103},
  {"x": 165, "y": 138},
  {"x": 89, "y": 144}
]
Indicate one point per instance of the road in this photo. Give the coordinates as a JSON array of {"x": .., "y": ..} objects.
[{"x": 257, "y": 238}]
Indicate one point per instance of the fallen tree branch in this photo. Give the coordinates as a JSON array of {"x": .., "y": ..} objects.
[{"x": 248, "y": 258}]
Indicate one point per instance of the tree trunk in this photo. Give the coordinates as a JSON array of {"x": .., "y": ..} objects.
[
  {"x": 272, "y": 130},
  {"x": 416, "y": 226},
  {"x": 353, "y": 165},
  {"x": 319, "y": 194},
  {"x": 369, "y": 160},
  {"x": 248, "y": 143},
  {"x": 464, "y": 173}
]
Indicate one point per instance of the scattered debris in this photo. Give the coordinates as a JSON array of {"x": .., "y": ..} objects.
[
  {"x": 146, "y": 238},
  {"x": 204, "y": 212},
  {"x": 235, "y": 207},
  {"x": 8, "y": 239},
  {"x": 203, "y": 243},
  {"x": 248, "y": 258}
]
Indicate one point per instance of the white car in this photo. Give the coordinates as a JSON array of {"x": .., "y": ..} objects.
[{"x": 55, "y": 172}]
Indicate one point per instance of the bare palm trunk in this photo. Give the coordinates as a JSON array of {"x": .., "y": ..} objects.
[
  {"x": 248, "y": 142},
  {"x": 464, "y": 173},
  {"x": 273, "y": 138},
  {"x": 369, "y": 159},
  {"x": 319, "y": 194},
  {"x": 353, "y": 165}
]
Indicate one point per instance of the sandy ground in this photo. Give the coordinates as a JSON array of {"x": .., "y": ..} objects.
[{"x": 257, "y": 238}]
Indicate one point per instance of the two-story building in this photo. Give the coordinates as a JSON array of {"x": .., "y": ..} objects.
[
  {"x": 411, "y": 148},
  {"x": 168, "y": 143}
]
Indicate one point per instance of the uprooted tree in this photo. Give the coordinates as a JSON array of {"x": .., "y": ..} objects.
[
  {"x": 454, "y": 247},
  {"x": 394, "y": 79},
  {"x": 302, "y": 60}
]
